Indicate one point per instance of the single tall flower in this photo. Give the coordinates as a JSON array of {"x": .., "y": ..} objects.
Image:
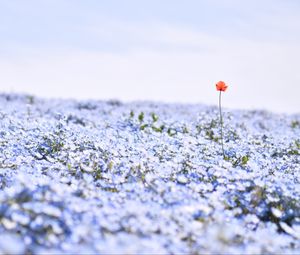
[{"x": 221, "y": 86}]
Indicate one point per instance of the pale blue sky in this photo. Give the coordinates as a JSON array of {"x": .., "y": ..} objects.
[{"x": 166, "y": 50}]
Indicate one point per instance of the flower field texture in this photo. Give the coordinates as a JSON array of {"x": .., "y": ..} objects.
[{"x": 106, "y": 177}]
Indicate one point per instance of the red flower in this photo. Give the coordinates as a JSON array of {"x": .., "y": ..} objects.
[{"x": 221, "y": 86}]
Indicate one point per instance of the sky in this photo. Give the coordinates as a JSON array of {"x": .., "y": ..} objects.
[{"x": 160, "y": 50}]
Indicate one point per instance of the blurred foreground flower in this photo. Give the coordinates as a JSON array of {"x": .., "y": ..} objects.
[{"x": 221, "y": 86}]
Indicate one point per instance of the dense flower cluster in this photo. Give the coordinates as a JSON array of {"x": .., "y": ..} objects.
[{"x": 107, "y": 177}]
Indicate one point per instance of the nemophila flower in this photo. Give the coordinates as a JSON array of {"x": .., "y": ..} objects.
[{"x": 221, "y": 86}]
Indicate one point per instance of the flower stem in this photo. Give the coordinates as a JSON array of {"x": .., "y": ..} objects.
[{"x": 221, "y": 124}]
